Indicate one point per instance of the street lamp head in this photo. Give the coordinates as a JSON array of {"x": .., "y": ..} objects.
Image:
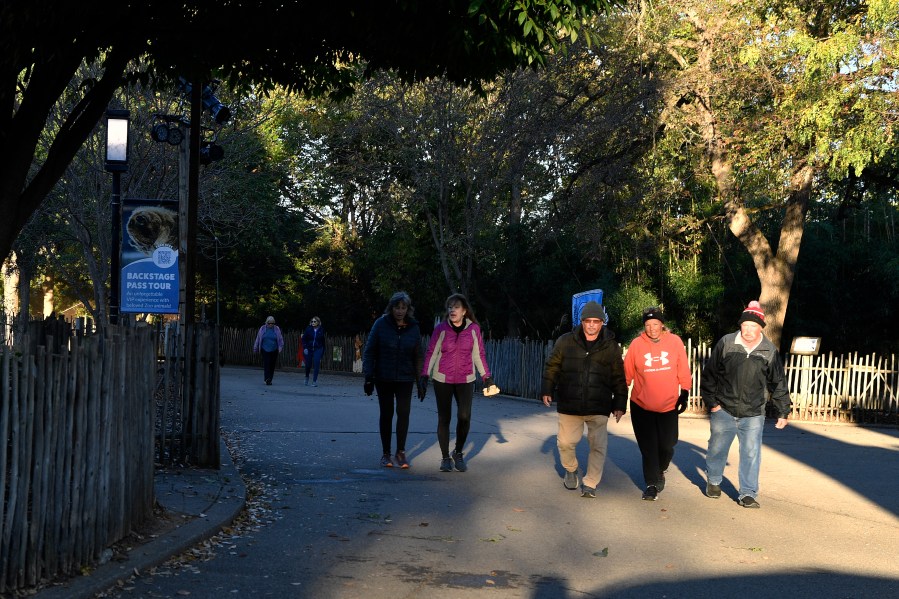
[
  {"x": 220, "y": 113},
  {"x": 160, "y": 132},
  {"x": 211, "y": 152},
  {"x": 117, "y": 140},
  {"x": 166, "y": 132}
]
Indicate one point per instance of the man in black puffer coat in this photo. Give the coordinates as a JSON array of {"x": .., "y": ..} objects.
[{"x": 585, "y": 376}]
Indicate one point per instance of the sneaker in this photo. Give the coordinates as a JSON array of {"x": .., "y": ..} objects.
[
  {"x": 749, "y": 502},
  {"x": 588, "y": 492},
  {"x": 570, "y": 481},
  {"x": 459, "y": 461},
  {"x": 713, "y": 491},
  {"x": 268, "y": 382},
  {"x": 314, "y": 384},
  {"x": 307, "y": 382},
  {"x": 401, "y": 459},
  {"x": 386, "y": 461},
  {"x": 446, "y": 465},
  {"x": 651, "y": 493},
  {"x": 661, "y": 484}
]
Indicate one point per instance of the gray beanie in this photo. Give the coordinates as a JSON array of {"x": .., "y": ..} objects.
[{"x": 593, "y": 310}]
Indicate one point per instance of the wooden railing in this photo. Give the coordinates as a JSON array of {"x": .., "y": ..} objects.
[
  {"x": 187, "y": 396},
  {"x": 849, "y": 388},
  {"x": 82, "y": 421},
  {"x": 76, "y": 452},
  {"x": 853, "y": 388}
]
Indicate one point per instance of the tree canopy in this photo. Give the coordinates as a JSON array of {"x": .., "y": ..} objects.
[{"x": 318, "y": 48}]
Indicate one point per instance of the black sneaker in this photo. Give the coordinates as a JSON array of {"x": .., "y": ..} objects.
[
  {"x": 661, "y": 484},
  {"x": 651, "y": 493},
  {"x": 749, "y": 502},
  {"x": 459, "y": 461},
  {"x": 446, "y": 465},
  {"x": 570, "y": 481},
  {"x": 713, "y": 491},
  {"x": 386, "y": 462},
  {"x": 588, "y": 492}
]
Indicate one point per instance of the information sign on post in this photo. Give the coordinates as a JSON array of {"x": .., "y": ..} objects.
[
  {"x": 149, "y": 281},
  {"x": 805, "y": 346}
]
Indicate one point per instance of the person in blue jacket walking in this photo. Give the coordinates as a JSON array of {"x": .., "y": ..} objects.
[
  {"x": 313, "y": 348},
  {"x": 390, "y": 362}
]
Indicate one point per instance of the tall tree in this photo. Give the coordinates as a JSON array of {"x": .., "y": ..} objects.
[{"x": 775, "y": 98}]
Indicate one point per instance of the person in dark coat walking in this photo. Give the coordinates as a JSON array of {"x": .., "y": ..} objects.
[
  {"x": 743, "y": 369},
  {"x": 584, "y": 375},
  {"x": 390, "y": 362},
  {"x": 313, "y": 340}
]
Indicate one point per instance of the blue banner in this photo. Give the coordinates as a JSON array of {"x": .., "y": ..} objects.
[{"x": 149, "y": 280}]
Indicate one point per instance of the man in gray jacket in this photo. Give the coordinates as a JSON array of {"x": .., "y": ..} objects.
[
  {"x": 743, "y": 369},
  {"x": 585, "y": 375}
]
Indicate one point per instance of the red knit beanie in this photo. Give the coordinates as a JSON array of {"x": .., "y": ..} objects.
[{"x": 753, "y": 313}]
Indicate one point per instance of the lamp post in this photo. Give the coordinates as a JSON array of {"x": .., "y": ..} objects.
[
  {"x": 218, "y": 319},
  {"x": 116, "y": 163}
]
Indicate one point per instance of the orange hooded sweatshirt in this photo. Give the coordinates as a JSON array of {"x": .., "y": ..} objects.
[{"x": 659, "y": 370}]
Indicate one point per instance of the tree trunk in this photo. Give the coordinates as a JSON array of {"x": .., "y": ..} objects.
[{"x": 775, "y": 271}]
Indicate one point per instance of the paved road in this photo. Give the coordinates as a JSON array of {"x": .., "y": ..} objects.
[{"x": 338, "y": 526}]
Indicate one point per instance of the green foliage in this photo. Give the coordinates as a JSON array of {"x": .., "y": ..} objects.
[
  {"x": 626, "y": 309},
  {"x": 694, "y": 292},
  {"x": 848, "y": 253}
]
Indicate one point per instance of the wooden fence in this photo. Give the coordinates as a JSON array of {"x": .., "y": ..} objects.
[
  {"x": 76, "y": 452},
  {"x": 81, "y": 421},
  {"x": 853, "y": 388},
  {"x": 187, "y": 396}
]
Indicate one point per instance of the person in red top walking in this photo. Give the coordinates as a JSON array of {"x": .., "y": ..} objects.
[
  {"x": 656, "y": 362},
  {"x": 455, "y": 354}
]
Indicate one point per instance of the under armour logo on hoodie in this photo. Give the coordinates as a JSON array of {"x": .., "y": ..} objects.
[{"x": 663, "y": 359}]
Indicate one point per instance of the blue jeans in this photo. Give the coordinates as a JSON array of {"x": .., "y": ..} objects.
[
  {"x": 748, "y": 431},
  {"x": 313, "y": 361}
]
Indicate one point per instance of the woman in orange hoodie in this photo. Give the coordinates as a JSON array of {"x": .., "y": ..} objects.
[{"x": 656, "y": 362}]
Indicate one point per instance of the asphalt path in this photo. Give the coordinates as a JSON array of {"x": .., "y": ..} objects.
[{"x": 337, "y": 525}]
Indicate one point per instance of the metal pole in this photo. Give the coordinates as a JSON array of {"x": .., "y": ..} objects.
[
  {"x": 115, "y": 248},
  {"x": 218, "y": 319},
  {"x": 193, "y": 199}
]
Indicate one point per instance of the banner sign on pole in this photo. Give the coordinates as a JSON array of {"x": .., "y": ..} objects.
[{"x": 149, "y": 282}]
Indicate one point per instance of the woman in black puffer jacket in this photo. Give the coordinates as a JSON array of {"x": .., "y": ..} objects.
[{"x": 391, "y": 361}]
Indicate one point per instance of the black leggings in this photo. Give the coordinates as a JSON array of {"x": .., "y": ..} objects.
[
  {"x": 656, "y": 434},
  {"x": 463, "y": 393},
  {"x": 401, "y": 392},
  {"x": 269, "y": 360}
]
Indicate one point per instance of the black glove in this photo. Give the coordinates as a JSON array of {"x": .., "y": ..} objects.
[
  {"x": 682, "y": 401},
  {"x": 369, "y": 385},
  {"x": 422, "y": 387}
]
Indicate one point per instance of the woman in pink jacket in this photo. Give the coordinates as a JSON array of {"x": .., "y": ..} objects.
[{"x": 455, "y": 352}]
